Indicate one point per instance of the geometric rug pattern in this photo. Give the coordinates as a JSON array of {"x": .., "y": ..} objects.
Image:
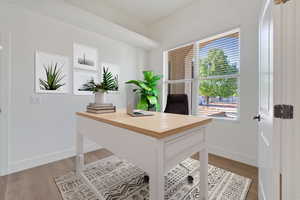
[{"x": 117, "y": 179}]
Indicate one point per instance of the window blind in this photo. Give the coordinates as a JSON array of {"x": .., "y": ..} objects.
[
  {"x": 180, "y": 61},
  {"x": 219, "y": 57}
]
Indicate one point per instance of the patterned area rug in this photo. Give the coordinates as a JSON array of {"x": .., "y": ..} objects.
[{"x": 117, "y": 179}]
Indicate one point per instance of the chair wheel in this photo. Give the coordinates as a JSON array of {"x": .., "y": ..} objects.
[
  {"x": 190, "y": 179},
  {"x": 146, "y": 179}
]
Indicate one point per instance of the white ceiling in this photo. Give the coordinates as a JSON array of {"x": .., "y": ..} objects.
[{"x": 148, "y": 11}]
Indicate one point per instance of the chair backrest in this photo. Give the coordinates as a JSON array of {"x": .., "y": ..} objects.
[{"x": 177, "y": 104}]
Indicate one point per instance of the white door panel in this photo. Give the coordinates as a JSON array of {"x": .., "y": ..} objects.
[
  {"x": 264, "y": 69},
  {"x": 295, "y": 179},
  {"x": 1, "y": 109},
  {"x": 265, "y": 137},
  {"x": 4, "y": 100}
]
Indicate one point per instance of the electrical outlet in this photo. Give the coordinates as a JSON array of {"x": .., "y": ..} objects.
[{"x": 34, "y": 99}]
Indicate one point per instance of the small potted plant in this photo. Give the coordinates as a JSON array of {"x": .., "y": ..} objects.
[
  {"x": 109, "y": 83},
  {"x": 148, "y": 91}
]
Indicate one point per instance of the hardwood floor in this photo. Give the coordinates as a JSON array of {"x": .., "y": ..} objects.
[
  {"x": 38, "y": 183},
  {"x": 3, "y": 181}
]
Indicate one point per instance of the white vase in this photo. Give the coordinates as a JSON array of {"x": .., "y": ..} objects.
[{"x": 99, "y": 97}]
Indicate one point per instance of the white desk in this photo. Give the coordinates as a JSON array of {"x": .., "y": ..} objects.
[{"x": 154, "y": 143}]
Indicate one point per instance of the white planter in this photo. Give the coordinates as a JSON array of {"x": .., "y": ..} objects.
[{"x": 99, "y": 97}]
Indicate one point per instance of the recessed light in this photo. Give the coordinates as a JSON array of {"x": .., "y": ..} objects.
[{"x": 1, "y": 47}]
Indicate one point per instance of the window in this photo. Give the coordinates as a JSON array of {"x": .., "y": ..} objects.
[
  {"x": 208, "y": 72},
  {"x": 180, "y": 71}
]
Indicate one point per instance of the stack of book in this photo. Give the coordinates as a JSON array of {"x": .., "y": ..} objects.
[{"x": 101, "y": 108}]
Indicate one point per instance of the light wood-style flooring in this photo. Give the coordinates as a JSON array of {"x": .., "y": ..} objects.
[{"x": 38, "y": 183}]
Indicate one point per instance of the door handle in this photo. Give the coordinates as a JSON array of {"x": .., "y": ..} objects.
[{"x": 257, "y": 117}]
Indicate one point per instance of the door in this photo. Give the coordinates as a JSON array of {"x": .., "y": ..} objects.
[
  {"x": 296, "y": 163},
  {"x": 290, "y": 148},
  {"x": 268, "y": 148},
  {"x": 4, "y": 100},
  {"x": 1, "y": 109}
]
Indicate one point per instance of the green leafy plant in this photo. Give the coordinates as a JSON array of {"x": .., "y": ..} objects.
[
  {"x": 109, "y": 83},
  {"x": 54, "y": 76},
  {"x": 147, "y": 89}
]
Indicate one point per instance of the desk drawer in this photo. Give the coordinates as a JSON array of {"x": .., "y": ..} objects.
[{"x": 184, "y": 144}]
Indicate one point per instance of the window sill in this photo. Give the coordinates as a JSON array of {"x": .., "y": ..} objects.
[{"x": 223, "y": 119}]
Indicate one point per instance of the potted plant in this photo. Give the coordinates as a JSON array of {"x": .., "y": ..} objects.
[
  {"x": 148, "y": 91},
  {"x": 109, "y": 83}
]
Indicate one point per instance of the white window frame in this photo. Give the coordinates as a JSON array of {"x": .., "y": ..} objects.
[{"x": 196, "y": 80}]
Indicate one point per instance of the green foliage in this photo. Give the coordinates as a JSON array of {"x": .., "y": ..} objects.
[
  {"x": 54, "y": 77},
  {"x": 89, "y": 86},
  {"x": 147, "y": 89},
  {"x": 226, "y": 87},
  {"x": 216, "y": 64},
  {"x": 109, "y": 83},
  {"x": 208, "y": 88}
]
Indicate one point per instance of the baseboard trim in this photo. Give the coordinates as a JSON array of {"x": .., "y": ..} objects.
[
  {"x": 232, "y": 155},
  {"x": 3, "y": 172},
  {"x": 46, "y": 159},
  {"x": 52, "y": 157}
]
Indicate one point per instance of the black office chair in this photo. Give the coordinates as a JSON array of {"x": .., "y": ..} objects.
[{"x": 177, "y": 104}]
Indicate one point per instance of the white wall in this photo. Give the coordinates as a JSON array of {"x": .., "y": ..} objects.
[
  {"x": 44, "y": 132},
  {"x": 114, "y": 15},
  {"x": 201, "y": 19},
  {"x": 65, "y": 12}
]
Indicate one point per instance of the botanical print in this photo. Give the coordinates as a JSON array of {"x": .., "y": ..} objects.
[
  {"x": 81, "y": 77},
  {"x": 85, "y": 57},
  {"x": 109, "y": 82},
  {"x": 51, "y": 73},
  {"x": 112, "y": 68}
]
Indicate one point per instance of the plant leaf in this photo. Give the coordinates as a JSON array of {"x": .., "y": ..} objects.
[
  {"x": 157, "y": 107},
  {"x": 152, "y": 100},
  {"x": 140, "y": 84},
  {"x": 148, "y": 75},
  {"x": 109, "y": 82},
  {"x": 155, "y": 92},
  {"x": 143, "y": 104},
  {"x": 148, "y": 91},
  {"x": 54, "y": 76}
]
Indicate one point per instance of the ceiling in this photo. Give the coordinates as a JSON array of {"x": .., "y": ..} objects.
[{"x": 148, "y": 11}]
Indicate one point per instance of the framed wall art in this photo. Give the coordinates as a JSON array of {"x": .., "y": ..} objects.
[{"x": 51, "y": 73}]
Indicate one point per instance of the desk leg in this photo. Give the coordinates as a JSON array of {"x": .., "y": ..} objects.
[
  {"x": 157, "y": 189},
  {"x": 204, "y": 173},
  {"x": 80, "y": 164},
  {"x": 157, "y": 179},
  {"x": 79, "y": 153}
]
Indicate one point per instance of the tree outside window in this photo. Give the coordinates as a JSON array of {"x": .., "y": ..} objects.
[
  {"x": 216, "y": 64},
  {"x": 219, "y": 75}
]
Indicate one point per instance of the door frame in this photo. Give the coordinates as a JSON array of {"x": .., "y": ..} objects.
[
  {"x": 5, "y": 95},
  {"x": 290, "y": 96}
]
